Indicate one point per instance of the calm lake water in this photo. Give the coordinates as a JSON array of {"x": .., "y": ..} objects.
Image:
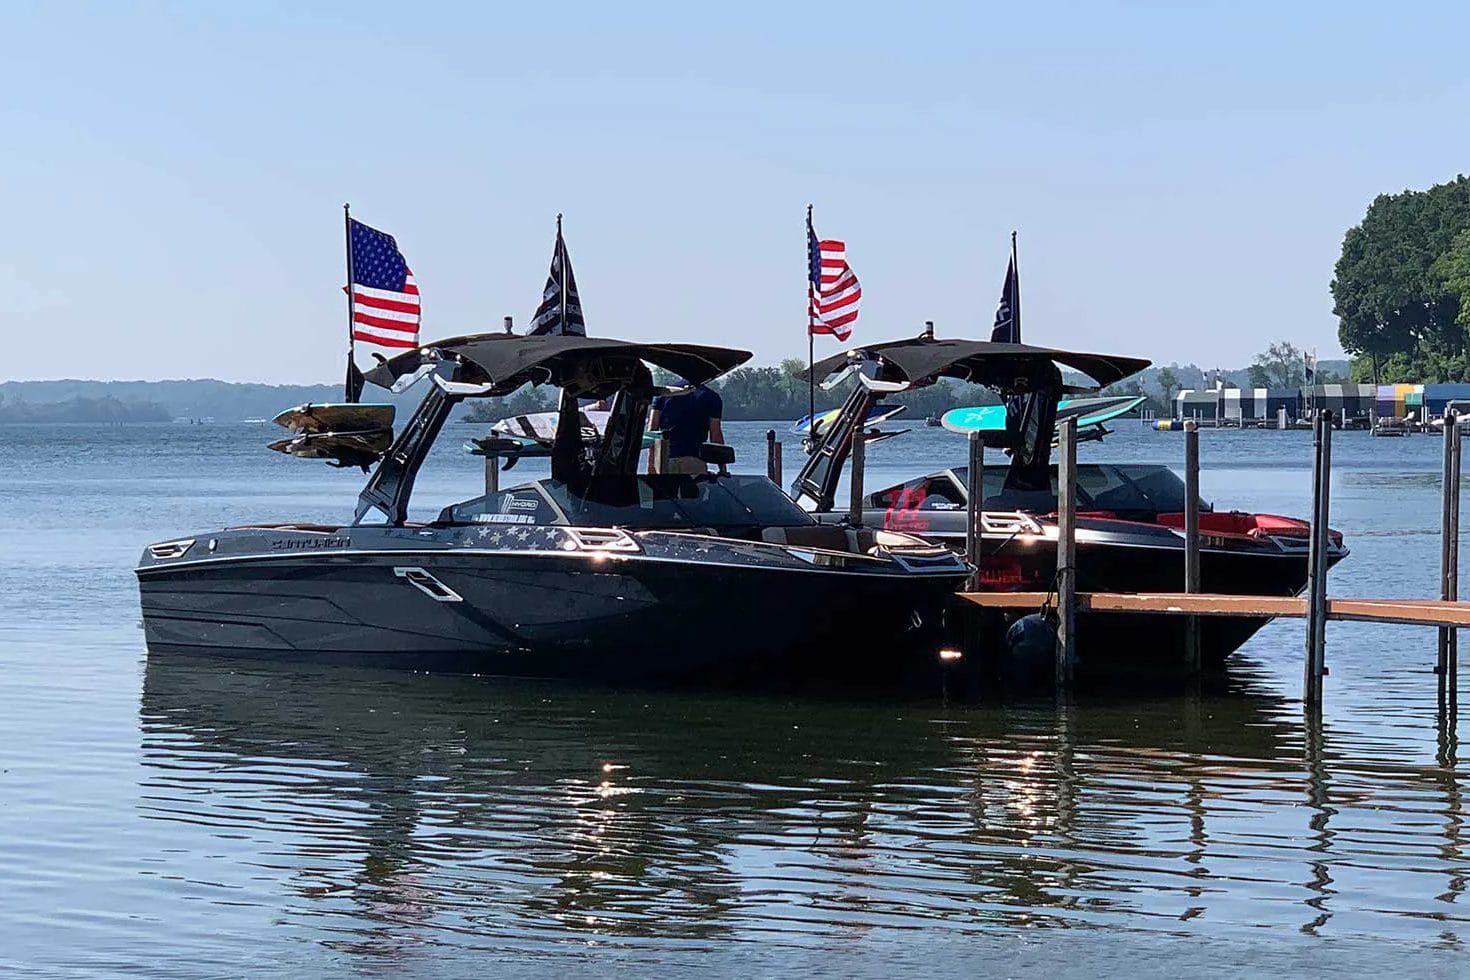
[{"x": 173, "y": 817}]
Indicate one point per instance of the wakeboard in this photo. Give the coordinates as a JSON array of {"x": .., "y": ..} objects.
[
  {"x": 361, "y": 448},
  {"x": 336, "y": 418},
  {"x": 539, "y": 429},
  {"x": 877, "y": 414}
]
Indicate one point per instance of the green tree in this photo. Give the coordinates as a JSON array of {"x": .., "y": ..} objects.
[
  {"x": 1453, "y": 270},
  {"x": 1281, "y": 365},
  {"x": 1390, "y": 291},
  {"x": 1168, "y": 383}
]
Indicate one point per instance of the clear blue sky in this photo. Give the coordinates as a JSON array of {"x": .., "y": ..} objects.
[{"x": 1180, "y": 174}]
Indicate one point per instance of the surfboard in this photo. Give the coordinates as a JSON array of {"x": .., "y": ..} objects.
[
  {"x": 336, "y": 418},
  {"x": 1087, "y": 411},
  {"x": 541, "y": 426},
  {"x": 877, "y": 414},
  {"x": 339, "y": 448},
  {"x": 521, "y": 435}
]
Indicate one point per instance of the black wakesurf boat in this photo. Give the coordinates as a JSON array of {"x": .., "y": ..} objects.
[
  {"x": 1130, "y": 516},
  {"x": 598, "y": 572}
]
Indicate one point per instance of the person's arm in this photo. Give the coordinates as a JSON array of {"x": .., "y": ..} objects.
[
  {"x": 652, "y": 427},
  {"x": 716, "y": 434}
]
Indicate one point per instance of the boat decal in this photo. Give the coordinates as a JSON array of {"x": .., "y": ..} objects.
[{"x": 310, "y": 544}]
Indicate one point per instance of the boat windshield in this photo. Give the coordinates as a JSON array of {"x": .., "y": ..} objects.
[
  {"x": 1123, "y": 488},
  {"x": 646, "y": 502}
]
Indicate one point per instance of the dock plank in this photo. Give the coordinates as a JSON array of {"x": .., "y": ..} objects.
[{"x": 1414, "y": 612}]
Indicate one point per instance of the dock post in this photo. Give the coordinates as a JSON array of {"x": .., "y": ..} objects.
[
  {"x": 773, "y": 457},
  {"x": 1280, "y": 418},
  {"x": 859, "y": 454},
  {"x": 975, "y": 507},
  {"x": 1452, "y": 677},
  {"x": 1191, "y": 543},
  {"x": 1316, "y": 658},
  {"x": 1449, "y": 551},
  {"x": 492, "y": 474},
  {"x": 1066, "y": 552}
]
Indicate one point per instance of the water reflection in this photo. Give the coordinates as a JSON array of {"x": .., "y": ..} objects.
[{"x": 392, "y": 810}]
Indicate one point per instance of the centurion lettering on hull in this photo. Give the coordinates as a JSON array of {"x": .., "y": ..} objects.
[{"x": 307, "y": 544}]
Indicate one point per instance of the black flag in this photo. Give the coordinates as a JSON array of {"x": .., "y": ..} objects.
[
  {"x": 1008, "y": 312},
  {"x": 560, "y": 311}
]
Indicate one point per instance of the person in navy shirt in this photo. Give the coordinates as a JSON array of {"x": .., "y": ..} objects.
[{"x": 688, "y": 421}]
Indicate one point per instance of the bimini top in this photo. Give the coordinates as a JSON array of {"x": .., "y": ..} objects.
[
  {"x": 587, "y": 365},
  {"x": 1003, "y": 367}
]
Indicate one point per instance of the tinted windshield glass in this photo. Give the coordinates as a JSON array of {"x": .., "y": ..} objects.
[
  {"x": 1123, "y": 489},
  {"x": 1158, "y": 485},
  {"x": 667, "y": 501},
  {"x": 676, "y": 501}
]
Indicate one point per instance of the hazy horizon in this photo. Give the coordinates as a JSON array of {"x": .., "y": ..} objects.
[{"x": 1180, "y": 179}]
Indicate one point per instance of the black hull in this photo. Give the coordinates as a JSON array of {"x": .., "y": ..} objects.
[
  {"x": 627, "y": 621},
  {"x": 1150, "y": 642}
]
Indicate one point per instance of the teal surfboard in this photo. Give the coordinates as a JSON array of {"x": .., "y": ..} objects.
[{"x": 1087, "y": 411}]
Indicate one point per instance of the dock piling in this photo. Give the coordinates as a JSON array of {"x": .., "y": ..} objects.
[
  {"x": 1066, "y": 553},
  {"x": 1315, "y": 667},
  {"x": 773, "y": 457},
  {"x": 1191, "y": 543},
  {"x": 859, "y": 454},
  {"x": 1449, "y": 552},
  {"x": 975, "y": 506}
]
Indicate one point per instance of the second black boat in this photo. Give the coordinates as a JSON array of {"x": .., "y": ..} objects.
[{"x": 1130, "y": 516}]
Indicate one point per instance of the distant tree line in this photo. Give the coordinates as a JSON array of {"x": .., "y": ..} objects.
[
  {"x": 750, "y": 393},
  {"x": 106, "y": 410},
  {"x": 1401, "y": 289}
]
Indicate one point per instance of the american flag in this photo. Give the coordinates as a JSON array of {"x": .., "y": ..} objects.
[
  {"x": 385, "y": 299},
  {"x": 560, "y": 311},
  {"x": 833, "y": 290}
]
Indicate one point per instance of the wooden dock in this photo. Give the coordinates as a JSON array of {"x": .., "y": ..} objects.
[
  {"x": 1411, "y": 612},
  {"x": 1446, "y": 613}
]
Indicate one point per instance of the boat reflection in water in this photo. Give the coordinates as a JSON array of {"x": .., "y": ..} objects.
[{"x": 397, "y": 813}]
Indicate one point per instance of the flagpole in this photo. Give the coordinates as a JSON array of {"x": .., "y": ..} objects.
[
  {"x": 1015, "y": 289},
  {"x": 561, "y": 260},
  {"x": 347, "y": 385},
  {"x": 811, "y": 338}
]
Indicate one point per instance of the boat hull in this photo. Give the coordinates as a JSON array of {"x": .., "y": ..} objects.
[{"x": 605, "y": 617}]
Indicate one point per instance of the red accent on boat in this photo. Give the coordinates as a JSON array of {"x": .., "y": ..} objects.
[{"x": 1237, "y": 522}]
